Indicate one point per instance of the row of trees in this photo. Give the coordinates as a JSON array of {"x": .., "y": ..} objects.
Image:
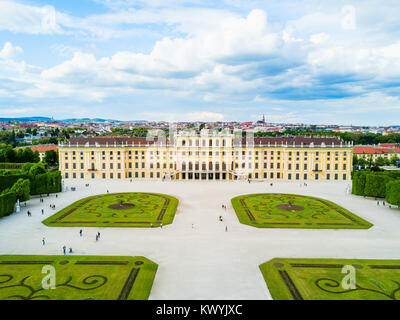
[
  {"x": 380, "y": 161},
  {"x": 383, "y": 184},
  {"x": 358, "y": 138},
  {"x": 11, "y": 155},
  {"x": 26, "y": 155}
]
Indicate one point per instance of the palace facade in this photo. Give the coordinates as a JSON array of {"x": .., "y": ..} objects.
[{"x": 206, "y": 156}]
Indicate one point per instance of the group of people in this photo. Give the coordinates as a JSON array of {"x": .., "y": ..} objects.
[
  {"x": 70, "y": 249},
  {"x": 41, "y": 200},
  {"x": 152, "y": 226},
  {"x": 65, "y": 250},
  {"x": 383, "y": 203}
]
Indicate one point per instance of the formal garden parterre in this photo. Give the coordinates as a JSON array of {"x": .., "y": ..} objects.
[
  {"x": 321, "y": 279},
  {"x": 276, "y": 210},
  {"x": 130, "y": 209},
  {"x": 76, "y": 277}
]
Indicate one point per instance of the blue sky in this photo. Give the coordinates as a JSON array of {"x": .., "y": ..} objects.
[{"x": 303, "y": 61}]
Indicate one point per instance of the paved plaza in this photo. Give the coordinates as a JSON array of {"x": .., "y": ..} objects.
[{"x": 197, "y": 258}]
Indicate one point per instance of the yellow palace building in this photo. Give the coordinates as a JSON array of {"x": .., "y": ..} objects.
[{"x": 209, "y": 155}]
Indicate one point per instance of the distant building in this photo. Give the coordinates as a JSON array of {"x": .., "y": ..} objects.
[
  {"x": 42, "y": 149},
  {"x": 385, "y": 151}
]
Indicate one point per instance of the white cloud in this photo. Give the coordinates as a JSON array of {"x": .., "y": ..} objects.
[
  {"x": 16, "y": 17},
  {"x": 209, "y": 56},
  {"x": 205, "y": 116},
  {"x": 9, "y": 51},
  {"x": 319, "y": 38}
]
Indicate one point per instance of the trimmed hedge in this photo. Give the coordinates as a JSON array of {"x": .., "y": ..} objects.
[
  {"x": 8, "y": 181},
  {"x": 11, "y": 166},
  {"x": 7, "y": 203},
  {"x": 49, "y": 182},
  {"x": 375, "y": 185},
  {"x": 380, "y": 184},
  {"x": 359, "y": 179},
  {"x": 393, "y": 192}
]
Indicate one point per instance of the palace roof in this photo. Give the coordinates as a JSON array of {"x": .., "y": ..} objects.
[{"x": 264, "y": 141}]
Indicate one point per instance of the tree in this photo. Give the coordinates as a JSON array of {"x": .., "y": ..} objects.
[
  {"x": 393, "y": 192},
  {"x": 362, "y": 162},
  {"x": 379, "y": 162},
  {"x": 393, "y": 160},
  {"x": 10, "y": 155},
  {"x": 36, "y": 157},
  {"x": 27, "y": 155},
  {"x": 37, "y": 169},
  {"x": 26, "y": 167},
  {"x": 51, "y": 158},
  {"x": 21, "y": 189}
]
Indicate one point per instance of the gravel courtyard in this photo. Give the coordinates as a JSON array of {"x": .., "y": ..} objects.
[{"x": 197, "y": 258}]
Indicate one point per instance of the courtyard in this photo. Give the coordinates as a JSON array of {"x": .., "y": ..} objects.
[{"x": 199, "y": 256}]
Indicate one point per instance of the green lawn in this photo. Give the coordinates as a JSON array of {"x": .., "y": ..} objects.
[
  {"x": 143, "y": 210},
  {"x": 321, "y": 279},
  {"x": 77, "y": 278},
  {"x": 276, "y": 210}
]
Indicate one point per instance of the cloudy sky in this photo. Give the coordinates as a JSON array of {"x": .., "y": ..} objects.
[{"x": 306, "y": 61}]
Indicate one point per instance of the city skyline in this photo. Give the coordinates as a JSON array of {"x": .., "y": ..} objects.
[{"x": 296, "y": 62}]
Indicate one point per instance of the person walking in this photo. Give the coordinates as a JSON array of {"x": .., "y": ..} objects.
[
  {"x": 65, "y": 250},
  {"x": 42, "y": 212},
  {"x": 43, "y": 241},
  {"x": 98, "y": 235},
  {"x": 80, "y": 232},
  {"x": 161, "y": 225}
]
